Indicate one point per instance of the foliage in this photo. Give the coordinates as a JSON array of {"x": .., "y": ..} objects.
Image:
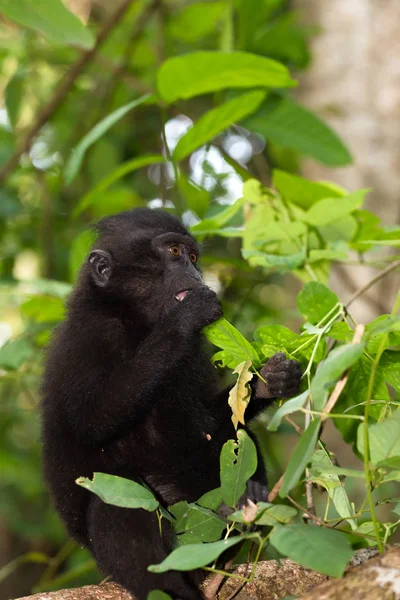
[{"x": 145, "y": 118}]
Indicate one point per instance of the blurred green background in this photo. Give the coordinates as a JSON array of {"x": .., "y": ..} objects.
[{"x": 344, "y": 55}]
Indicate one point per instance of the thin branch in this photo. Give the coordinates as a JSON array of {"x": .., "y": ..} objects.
[
  {"x": 63, "y": 89},
  {"x": 395, "y": 265},
  {"x": 276, "y": 489}
]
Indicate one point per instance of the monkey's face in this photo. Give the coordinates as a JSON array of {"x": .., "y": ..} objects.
[{"x": 148, "y": 273}]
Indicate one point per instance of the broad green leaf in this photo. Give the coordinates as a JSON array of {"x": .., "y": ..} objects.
[
  {"x": 300, "y": 458},
  {"x": 196, "y": 21},
  {"x": 343, "y": 230},
  {"x": 384, "y": 324},
  {"x": 240, "y": 393},
  {"x": 315, "y": 301},
  {"x": 74, "y": 163},
  {"x": 341, "y": 332},
  {"x": 199, "y": 73},
  {"x": 390, "y": 368},
  {"x": 180, "y": 512},
  {"x": 384, "y": 439},
  {"x": 390, "y": 463},
  {"x": 226, "y": 336},
  {"x": 217, "y": 120},
  {"x": 212, "y": 499},
  {"x": 281, "y": 262},
  {"x": 213, "y": 224},
  {"x": 13, "y": 95},
  {"x": 44, "y": 309},
  {"x": 194, "y": 556},
  {"x": 158, "y": 595},
  {"x": 333, "y": 255},
  {"x": 15, "y": 353},
  {"x": 204, "y": 524},
  {"x": 310, "y": 546},
  {"x": 256, "y": 193},
  {"x": 197, "y": 198},
  {"x": 127, "y": 167},
  {"x": 337, "y": 362},
  {"x": 354, "y": 396},
  {"x": 119, "y": 491},
  {"x": 284, "y": 339},
  {"x": 238, "y": 462},
  {"x": 50, "y": 18},
  {"x": 284, "y": 122},
  {"x": 319, "y": 474},
  {"x": 79, "y": 250},
  {"x": 289, "y": 407},
  {"x": 332, "y": 209},
  {"x": 302, "y": 192}
]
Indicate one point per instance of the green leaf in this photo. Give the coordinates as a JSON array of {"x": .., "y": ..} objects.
[
  {"x": 384, "y": 439},
  {"x": 310, "y": 546},
  {"x": 238, "y": 462},
  {"x": 284, "y": 122},
  {"x": 74, "y": 163},
  {"x": 315, "y": 301},
  {"x": 50, "y": 18},
  {"x": 300, "y": 457},
  {"x": 390, "y": 368},
  {"x": 197, "y": 198},
  {"x": 321, "y": 475},
  {"x": 338, "y": 361},
  {"x": 194, "y": 556},
  {"x": 226, "y": 336},
  {"x": 212, "y": 499},
  {"x": 15, "y": 353},
  {"x": 213, "y": 224},
  {"x": 180, "y": 512},
  {"x": 119, "y": 491},
  {"x": 332, "y": 209},
  {"x": 302, "y": 192},
  {"x": 390, "y": 463},
  {"x": 287, "y": 408},
  {"x": 333, "y": 255},
  {"x": 204, "y": 524},
  {"x": 13, "y": 96},
  {"x": 196, "y": 21},
  {"x": 217, "y": 120},
  {"x": 44, "y": 309},
  {"x": 158, "y": 595},
  {"x": 197, "y": 73},
  {"x": 282, "y": 262},
  {"x": 90, "y": 198}
]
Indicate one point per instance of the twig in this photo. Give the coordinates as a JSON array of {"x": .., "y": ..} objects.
[
  {"x": 294, "y": 425},
  {"x": 213, "y": 585},
  {"x": 395, "y": 265},
  {"x": 62, "y": 91},
  {"x": 337, "y": 390},
  {"x": 276, "y": 489}
]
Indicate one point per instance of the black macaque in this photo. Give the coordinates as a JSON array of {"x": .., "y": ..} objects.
[{"x": 129, "y": 391}]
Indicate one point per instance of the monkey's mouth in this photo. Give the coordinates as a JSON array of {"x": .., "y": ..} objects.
[{"x": 181, "y": 295}]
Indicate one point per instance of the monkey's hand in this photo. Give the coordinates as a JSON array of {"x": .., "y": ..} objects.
[
  {"x": 200, "y": 307},
  {"x": 282, "y": 378}
]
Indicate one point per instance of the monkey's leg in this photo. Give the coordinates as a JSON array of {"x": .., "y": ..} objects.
[{"x": 125, "y": 541}]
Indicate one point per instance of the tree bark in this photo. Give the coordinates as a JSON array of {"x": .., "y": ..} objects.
[{"x": 366, "y": 579}]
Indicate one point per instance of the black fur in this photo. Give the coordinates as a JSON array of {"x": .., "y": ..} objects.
[{"x": 129, "y": 391}]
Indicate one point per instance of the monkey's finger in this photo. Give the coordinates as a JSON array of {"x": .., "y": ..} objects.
[{"x": 273, "y": 362}]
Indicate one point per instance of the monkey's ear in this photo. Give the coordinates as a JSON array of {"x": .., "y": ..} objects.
[{"x": 100, "y": 266}]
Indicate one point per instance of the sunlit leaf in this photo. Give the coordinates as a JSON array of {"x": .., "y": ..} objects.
[
  {"x": 302, "y": 192},
  {"x": 289, "y": 407},
  {"x": 197, "y": 20},
  {"x": 217, "y": 120},
  {"x": 226, "y": 336},
  {"x": 384, "y": 439},
  {"x": 199, "y": 73},
  {"x": 328, "y": 210},
  {"x": 50, "y": 18},
  {"x": 315, "y": 301}
]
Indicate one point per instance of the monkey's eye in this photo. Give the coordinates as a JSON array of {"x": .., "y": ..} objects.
[
  {"x": 193, "y": 257},
  {"x": 175, "y": 250}
]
